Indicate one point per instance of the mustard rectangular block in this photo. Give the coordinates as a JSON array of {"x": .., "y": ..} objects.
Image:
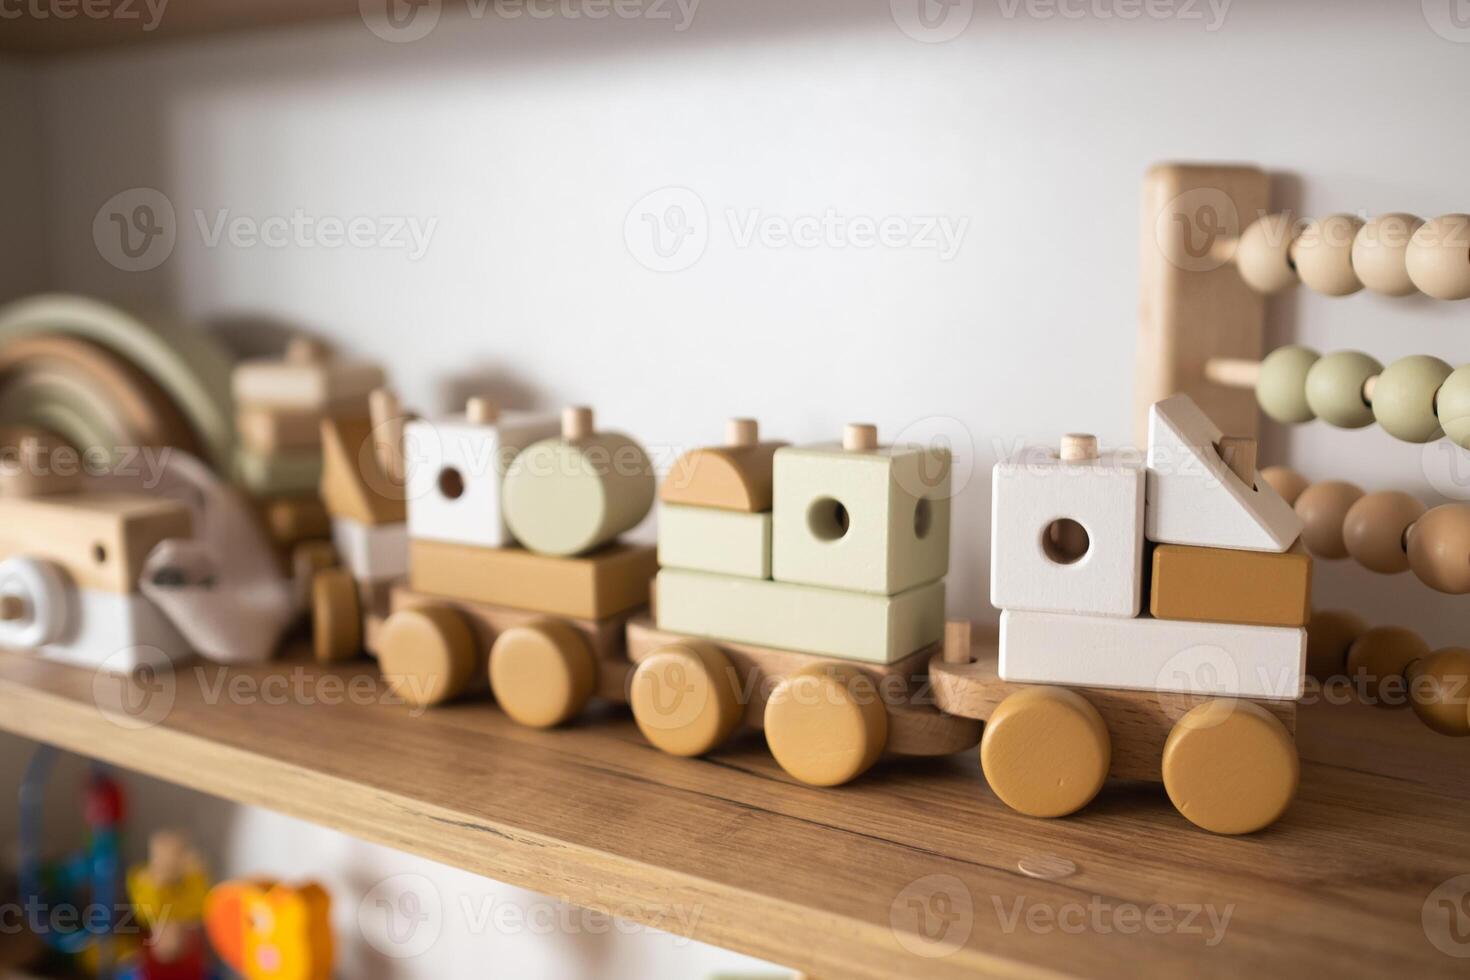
[
  {"x": 806, "y": 618},
  {"x": 710, "y": 539},
  {"x": 1218, "y": 585},
  {"x": 100, "y": 539}
]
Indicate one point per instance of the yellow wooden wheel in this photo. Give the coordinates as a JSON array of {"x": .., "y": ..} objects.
[
  {"x": 684, "y": 697},
  {"x": 336, "y": 616},
  {"x": 542, "y": 673},
  {"x": 427, "y": 655},
  {"x": 1045, "y": 751},
  {"x": 1230, "y": 766},
  {"x": 826, "y": 724}
]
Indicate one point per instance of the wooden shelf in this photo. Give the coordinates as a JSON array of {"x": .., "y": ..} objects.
[
  {"x": 816, "y": 878},
  {"x": 52, "y": 34}
]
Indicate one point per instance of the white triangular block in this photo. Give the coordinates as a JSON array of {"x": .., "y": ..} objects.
[{"x": 1193, "y": 497}]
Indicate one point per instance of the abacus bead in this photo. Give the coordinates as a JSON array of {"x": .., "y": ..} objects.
[
  {"x": 1281, "y": 390},
  {"x": 1453, "y": 406},
  {"x": 1439, "y": 689},
  {"x": 1330, "y": 633},
  {"x": 1323, "y": 255},
  {"x": 1263, "y": 254},
  {"x": 1334, "y": 388},
  {"x": 1403, "y": 397},
  {"x": 1323, "y": 508},
  {"x": 1374, "y": 530},
  {"x": 1439, "y": 548},
  {"x": 1379, "y": 251},
  {"x": 1438, "y": 257},
  {"x": 1378, "y": 659},
  {"x": 1287, "y": 482}
]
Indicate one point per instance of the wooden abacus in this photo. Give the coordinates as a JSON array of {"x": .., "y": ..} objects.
[{"x": 1212, "y": 248}]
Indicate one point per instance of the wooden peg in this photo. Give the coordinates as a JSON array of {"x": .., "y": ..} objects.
[
  {"x": 1078, "y": 447},
  {"x": 305, "y": 350},
  {"x": 1239, "y": 453},
  {"x": 860, "y": 437},
  {"x": 740, "y": 433},
  {"x": 387, "y": 421},
  {"x": 576, "y": 422},
  {"x": 1233, "y": 372},
  {"x": 481, "y": 410},
  {"x": 957, "y": 641}
]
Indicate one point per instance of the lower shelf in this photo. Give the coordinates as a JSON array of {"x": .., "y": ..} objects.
[{"x": 915, "y": 870}]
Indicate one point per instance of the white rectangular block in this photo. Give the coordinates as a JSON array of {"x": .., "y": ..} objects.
[
  {"x": 1040, "y": 559},
  {"x": 1194, "y": 498},
  {"x": 371, "y": 552},
  {"x": 1145, "y": 654},
  {"x": 710, "y": 539},
  {"x": 117, "y": 632},
  {"x": 456, "y": 469}
]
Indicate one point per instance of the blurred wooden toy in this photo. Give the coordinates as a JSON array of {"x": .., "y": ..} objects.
[
  {"x": 168, "y": 895},
  {"x": 828, "y": 657},
  {"x": 267, "y": 930}
]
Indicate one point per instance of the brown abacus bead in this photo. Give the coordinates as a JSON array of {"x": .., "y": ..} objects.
[
  {"x": 1378, "y": 661},
  {"x": 1374, "y": 530},
  {"x": 1439, "y": 548},
  {"x": 1330, "y": 633},
  {"x": 1323, "y": 255},
  {"x": 1439, "y": 689},
  {"x": 1323, "y": 507},
  {"x": 1285, "y": 481}
]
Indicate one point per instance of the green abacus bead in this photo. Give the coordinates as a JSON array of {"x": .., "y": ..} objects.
[
  {"x": 1335, "y": 388},
  {"x": 1281, "y": 390},
  {"x": 1403, "y": 397},
  {"x": 1453, "y": 407}
]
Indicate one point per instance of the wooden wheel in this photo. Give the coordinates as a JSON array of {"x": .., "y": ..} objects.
[
  {"x": 427, "y": 655},
  {"x": 1046, "y": 751},
  {"x": 1230, "y": 766},
  {"x": 336, "y": 616},
  {"x": 826, "y": 724},
  {"x": 684, "y": 698},
  {"x": 542, "y": 673}
]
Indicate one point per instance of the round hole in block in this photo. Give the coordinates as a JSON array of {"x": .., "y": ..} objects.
[
  {"x": 1065, "y": 541},
  {"x": 451, "y": 483},
  {"x": 923, "y": 518},
  {"x": 99, "y": 553},
  {"x": 827, "y": 518}
]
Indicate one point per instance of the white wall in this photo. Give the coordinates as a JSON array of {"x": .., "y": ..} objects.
[{"x": 530, "y": 143}]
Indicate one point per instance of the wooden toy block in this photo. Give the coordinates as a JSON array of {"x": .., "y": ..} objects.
[
  {"x": 265, "y": 431},
  {"x": 838, "y": 623},
  {"x": 1193, "y": 303},
  {"x": 281, "y": 474},
  {"x": 1067, "y": 534},
  {"x": 854, "y": 515},
  {"x": 293, "y": 519},
  {"x": 456, "y": 468},
  {"x": 736, "y": 476},
  {"x": 371, "y": 552},
  {"x": 1193, "y": 496},
  {"x": 1217, "y": 585},
  {"x": 101, "y": 540},
  {"x": 966, "y": 682},
  {"x": 607, "y": 582},
  {"x": 708, "y": 539},
  {"x": 571, "y": 494},
  {"x": 122, "y": 633},
  {"x": 1153, "y": 655},
  {"x": 354, "y": 483},
  {"x": 37, "y": 466},
  {"x": 306, "y": 380}
]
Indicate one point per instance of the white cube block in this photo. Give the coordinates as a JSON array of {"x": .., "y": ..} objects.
[
  {"x": 456, "y": 469},
  {"x": 118, "y": 633},
  {"x": 1267, "y": 662},
  {"x": 1195, "y": 499},
  {"x": 371, "y": 552},
  {"x": 1039, "y": 561}
]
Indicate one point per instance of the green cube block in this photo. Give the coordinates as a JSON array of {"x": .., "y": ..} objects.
[
  {"x": 710, "y": 539},
  {"x": 281, "y": 473},
  {"x": 872, "y": 520},
  {"x": 805, "y": 618}
]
